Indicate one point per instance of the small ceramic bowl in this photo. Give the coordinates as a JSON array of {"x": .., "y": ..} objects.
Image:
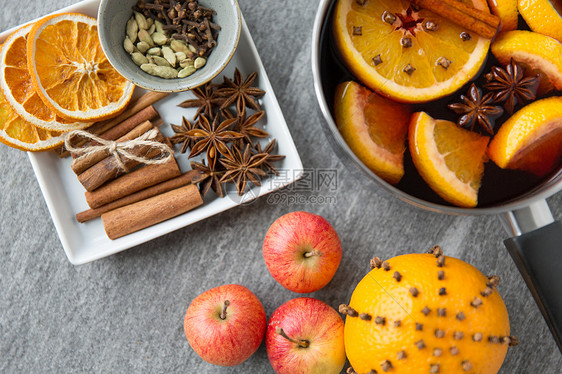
[{"x": 112, "y": 19}]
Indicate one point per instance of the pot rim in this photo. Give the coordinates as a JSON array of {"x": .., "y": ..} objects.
[{"x": 553, "y": 186}]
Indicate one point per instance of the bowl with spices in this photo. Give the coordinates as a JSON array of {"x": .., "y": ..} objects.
[{"x": 169, "y": 45}]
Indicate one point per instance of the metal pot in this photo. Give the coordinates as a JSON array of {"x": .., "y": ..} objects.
[{"x": 536, "y": 238}]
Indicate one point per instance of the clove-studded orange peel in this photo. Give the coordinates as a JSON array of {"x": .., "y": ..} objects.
[{"x": 426, "y": 313}]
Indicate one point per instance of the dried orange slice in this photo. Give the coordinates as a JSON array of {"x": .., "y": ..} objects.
[
  {"x": 531, "y": 139},
  {"x": 18, "y": 133},
  {"x": 374, "y": 127},
  {"x": 407, "y": 55},
  {"x": 17, "y": 88},
  {"x": 450, "y": 159},
  {"x": 70, "y": 72}
]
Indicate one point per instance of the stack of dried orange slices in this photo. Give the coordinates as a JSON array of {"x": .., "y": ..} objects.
[
  {"x": 407, "y": 55},
  {"x": 54, "y": 78}
]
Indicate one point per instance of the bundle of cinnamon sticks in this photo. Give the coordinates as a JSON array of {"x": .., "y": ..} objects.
[{"x": 146, "y": 194}]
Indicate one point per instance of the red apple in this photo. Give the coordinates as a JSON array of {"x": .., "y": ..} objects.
[
  {"x": 225, "y": 325},
  {"x": 305, "y": 335},
  {"x": 302, "y": 251}
]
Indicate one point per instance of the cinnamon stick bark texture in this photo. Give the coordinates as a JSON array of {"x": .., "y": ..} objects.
[
  {"x": 134, "y": 107},
  {"x": 79, "y": 165},
  {"x": 478, "y": 21},
  {"x": 142, "y": 102},
  {"x": 137, "y": 180},
  {"x": 146, "y": 213},
  {"x": 126, "y": 126},
  {"x": 108, "y": 169},
  {"x": 183, "y": 180},
  {"x": 147, "y": 114}
]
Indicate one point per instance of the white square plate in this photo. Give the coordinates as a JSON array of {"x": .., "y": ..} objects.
[{"x": 64, "y": 195}]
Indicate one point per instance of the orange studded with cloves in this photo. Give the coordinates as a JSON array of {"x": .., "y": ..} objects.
[{"x": 432, "y": 322}]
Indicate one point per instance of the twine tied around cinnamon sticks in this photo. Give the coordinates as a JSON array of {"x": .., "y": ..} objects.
[{"x": 119, "y": 150}]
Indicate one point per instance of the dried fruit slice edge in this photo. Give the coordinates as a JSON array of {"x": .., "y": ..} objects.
[
  {"x": 19, "y": 69},
  {"x": 92, "y": 90}
]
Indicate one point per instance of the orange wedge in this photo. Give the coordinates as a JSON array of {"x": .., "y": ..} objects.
[
  {"x": 407, "y": 55},
  {"x": 18, "y": 133},
  {"x": 17, "y": 87},
  {"x": 507, "y": 11},
  {"x": 531, "y": 139},
  {"x": 70, "y": 72},
  {"x": 450, "y": 159},
  {"x": 543, "y": 16},
  {"x": 374, "y": 127},
  {"x": 538, "y": 53}
]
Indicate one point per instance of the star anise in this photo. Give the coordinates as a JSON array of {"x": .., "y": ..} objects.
[
  {"x": 510, "y": 85},
  {"x": 181, "y": 135},
  {"x": 213, "y": 138},
  {"x": 241, "y": 167},
  {"x": 240, "y": 92},
  {"x": 477, "y": 109},
  {"x": 206, "y": 101},
  {"x": 246, "y": 126},
  {"x": 269, "y": 158},
  {"x": 209, "y": 177}
]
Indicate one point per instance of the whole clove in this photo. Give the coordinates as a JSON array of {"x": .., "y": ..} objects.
[
  {"x": 346, "y": 309},
  {"x": 365, "y": 316},
  {"x": 376, "y": 263}
]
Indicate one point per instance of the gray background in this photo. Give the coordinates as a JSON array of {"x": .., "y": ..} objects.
[{"x": 124, "y": 313}]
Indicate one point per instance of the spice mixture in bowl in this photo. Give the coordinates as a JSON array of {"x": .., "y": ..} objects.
[{"x": 167, "y": 45}]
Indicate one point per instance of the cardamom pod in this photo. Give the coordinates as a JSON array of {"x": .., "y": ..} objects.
[
  {"x": 186, "y": 72},
  {"x": 143, "y": 47},
  {"x": 169, "y": 55},
  {"x": 155, "y": 51},
  {"x": 150, "y": 23},
  {"x": 159, "y": 38},
  {"x": 128, "y": 45},
  {"x": 179, "y": 46},
  {"x": 148, "y": 68},
  {"x": 180, "y": 56},
  {"x": 141, "y": 21},
  {"x": 192, "y": 48},
  {"x": 159, "y": 27},
  {"x": 151, "y": 29},
  {"x": 132, "y": 29},
  {"x": 199, "y": 62},
  {"x": 160, "y": 61},
  {"x": 139, "y": 58},
  {"x": 185, "y": 63},
  {"x": 165, "y": 72},
  {"x": 144, "y": 37}
]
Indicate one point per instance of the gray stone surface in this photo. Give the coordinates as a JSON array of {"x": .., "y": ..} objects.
[{"x": 124, "y": 313}]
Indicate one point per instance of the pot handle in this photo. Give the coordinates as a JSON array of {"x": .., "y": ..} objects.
[{"x": 536, "y": 249}]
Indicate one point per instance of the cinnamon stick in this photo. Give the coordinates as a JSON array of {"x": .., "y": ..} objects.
[
  {"x": 79, "y": 165},
  {"x": 108, "y": 168},
  {"x": 482, "y": 23},
  {"x": 145, "y": 213},
  {"x": 183, "y": 180},
  {"x": 134, "y": 107},
  {"x": 132, "y": 182},
  {"x": 124, "y": 127}
]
